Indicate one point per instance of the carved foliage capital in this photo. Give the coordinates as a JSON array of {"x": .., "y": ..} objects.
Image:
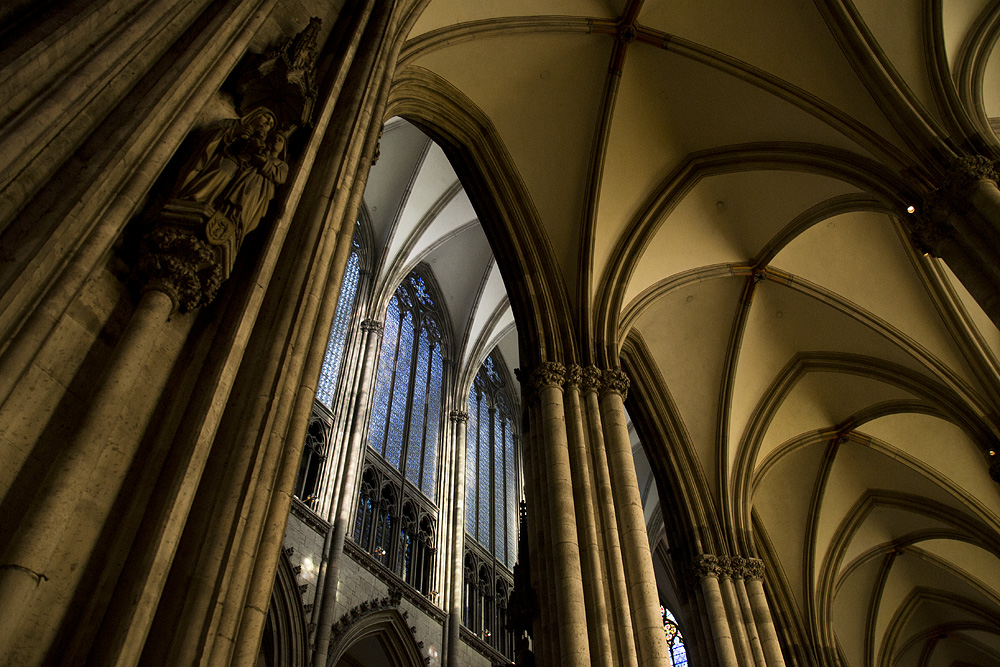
[
  {"x": 460, "y": 416},
  {"x": 967, "y": 170},
  {"x": 178, "y": 263},
  {"x": 573, "y": 375},
  {"x": 707, "y": 565},
  {"x": 372, "y": 325},
  {"x": 591, "y": 378},
  {"x": 754, "y": 569},
  {"x": 615, "y": 381},
  {"x": 547, "y": 374}
]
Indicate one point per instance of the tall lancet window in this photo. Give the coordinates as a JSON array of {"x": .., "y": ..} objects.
[
  {"x": 327, "y": 386},
  {"x": 491, "y": 493},
  {"x": 406, "y": 414},
  {"x": 319, "y": 436},
  {"x": 396, "y": 516},
  {"x": 491, "y": 500}
]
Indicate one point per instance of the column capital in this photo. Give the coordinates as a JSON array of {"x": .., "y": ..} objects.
[
  {"x": 965, "y": 171},
  {"x": 177, "y": 262},
  {"x": 754, "y": 569},
  {"x": 590, "y": 378},
  {"x": 460, "y": 416},
  {"x": 372, "y": 325},
  {"x": 706, "y": 565},
  {"x": 547, "y": 374},
  {"x": 574, "y": 374},
  {"x": 614, "y": 381}
]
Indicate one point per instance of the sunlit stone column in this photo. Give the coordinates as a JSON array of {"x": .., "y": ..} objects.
[
  {"x": 178, "y": 271},
  {"x": 707, "y": 571},
  {"x": 741, "y": 641},
  {"x": 762, "y": 613},
  {"x": 644, "y": 601},
  {"x": 460, "y": 419},
  {"x": 570, "y": 608},
  {"x": 342, "y": 517},
  {"x": 590, "y": 555},
  {"x": 82, "y": 462},
  {"x": 616, "y": 590},
  {"x": 739, "y": 571}
]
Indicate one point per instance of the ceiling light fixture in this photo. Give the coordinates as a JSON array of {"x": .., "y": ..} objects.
[{"x": 911, "y": 209}]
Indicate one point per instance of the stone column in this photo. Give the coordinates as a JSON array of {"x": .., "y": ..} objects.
[
  {"x": 574, "y": 648},
  {"x": 342, "y": 517},
  {"x": 707, "y": 571},
  {"x": 616, "y": 591},
  {"x": 644, "y": 601},
  {"x": 178, "y": 271},
  {"x": 741, "y": 642},
  {"x": 546, "y": 635},
  {"x": 460, "y": 419},
  {"x": 762, "y": 613},
  {"x": 960, "y": 223},
  {"x": 598, "y": 620},
  {"x": 740, "y": 571}
]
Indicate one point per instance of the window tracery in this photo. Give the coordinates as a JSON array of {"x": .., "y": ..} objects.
[
  {"x": 492, "y": 494},
  {"x": 396, "y": 513}
]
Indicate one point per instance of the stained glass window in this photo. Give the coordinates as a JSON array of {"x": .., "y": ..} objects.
[
  {"x": 491, "y": 474},
  {"x": 327, "y": 385},
  {"x": 472, "y": 463},
  {"x": 406, "y": 409},
  {"x": 675, "y": 642}
]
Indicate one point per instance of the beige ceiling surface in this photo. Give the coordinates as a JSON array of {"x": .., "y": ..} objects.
[{"x": 722, "y": 182}]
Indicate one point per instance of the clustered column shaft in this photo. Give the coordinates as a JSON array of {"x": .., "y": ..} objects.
[
  {"x": 741, "y": 626},
  {"x": 348, "y": 482},
  {"x": 581, "y": 479},
  {"x": 460, "y": 419}
]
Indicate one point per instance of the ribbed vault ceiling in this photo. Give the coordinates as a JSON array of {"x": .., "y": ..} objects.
[
  {"x": 417, "y": 212},
  {"x": 722, "y": 194}
]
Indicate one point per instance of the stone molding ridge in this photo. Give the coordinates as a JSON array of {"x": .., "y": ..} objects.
[
  {"x": 367, "y": 607},
  {"x": 460, "y": 416},
  {"x": 591, "y": 378},
  {"x": 615, "y": 381},
  {"x": 547, "y": 374},
  {"x": 707, "y": 565}
]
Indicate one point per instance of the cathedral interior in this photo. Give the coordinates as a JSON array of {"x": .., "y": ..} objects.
[{"x": 351, "y": 333}]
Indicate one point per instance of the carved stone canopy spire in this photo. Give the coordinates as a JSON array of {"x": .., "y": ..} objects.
[{"x": 284, "y": 79}]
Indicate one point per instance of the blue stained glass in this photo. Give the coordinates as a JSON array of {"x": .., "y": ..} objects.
[
  {"x": 429, "y": 480},
  {"x": 490, "y": 370},
  {"x": 415, "y": 442},
  {"x": 485, "y": 506},
  {"x": 383, "y": 381},
  {"x": 397, "y": 411},
  {"x": 510, "y": 482},
  {"x": 471, "y": 458},
  {"x": 338, "y": 332},
  {"x": 420, "y": 287},
  {"x": 499, "y": 502}
]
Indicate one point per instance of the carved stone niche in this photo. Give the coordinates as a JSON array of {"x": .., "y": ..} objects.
[{"x": 230, "y": 177}]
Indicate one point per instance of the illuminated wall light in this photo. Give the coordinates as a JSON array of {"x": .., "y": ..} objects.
[{"x": 911, "y": 209}]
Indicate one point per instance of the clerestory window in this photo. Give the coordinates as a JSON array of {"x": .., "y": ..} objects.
[{"x": 406, "y": 411}]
